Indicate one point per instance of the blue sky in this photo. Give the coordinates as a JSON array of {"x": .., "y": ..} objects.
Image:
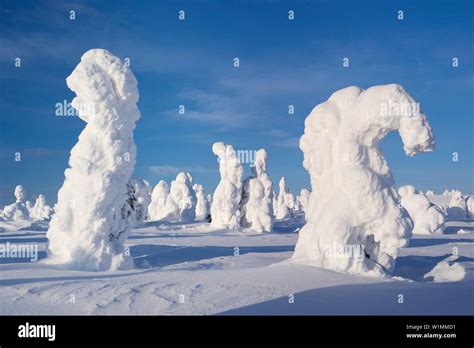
[{"x": 190, "y": 62}]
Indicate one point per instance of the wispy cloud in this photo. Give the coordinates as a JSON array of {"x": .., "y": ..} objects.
[
  {"x": 34, "y": 152},
  {"x": 292, "y": 142}
]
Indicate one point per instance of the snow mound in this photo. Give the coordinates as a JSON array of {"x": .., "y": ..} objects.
[
  {"x": 427, "y": 218},
  {"x": 447, "y": 271},
  {"x": 354, "y": 204},
  {"x": 225, "y": 208},
  {"x": 88, "y": 230},
  {"x": 257, "y": 209}
]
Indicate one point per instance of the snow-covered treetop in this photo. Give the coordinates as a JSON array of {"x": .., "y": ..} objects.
[
  {"x": 260, "y": 165},
  {"x": 101, "y": 80},
  {"x": 19, "y": 194},
  {"x": 230, "y": 167}
]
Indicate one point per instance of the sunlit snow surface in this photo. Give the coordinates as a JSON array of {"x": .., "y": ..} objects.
[{"x": 197, "y": 269}]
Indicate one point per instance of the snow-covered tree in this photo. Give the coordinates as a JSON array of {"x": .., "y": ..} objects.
[
  {"x": 41, "y": 210},
  {"x": 157, "y": 207},
  {"x": 257, "y": 209},
  {"x": 17, "y": 211},
  {"x": 225, "y": 209},
  {"x": 181, "y": 202},
  {"x": 19, "y": 194},
  {"x": 303, "y": 199},
  {"x": 135, "y": 209},
  {"x": 354, "y": 204},
  {"x": 88, "y": 230},
  {"x": 470, "y": 206},
  {"x": 202, "y": 205},
  {"x": 427, "y": 218},
  {"x": 283, "y": 201},
  {"x": 457, "y": 208}
]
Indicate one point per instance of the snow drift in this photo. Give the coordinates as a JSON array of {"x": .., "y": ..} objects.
[
  {"x": 427, "y": 218},
  {"x": 355, "y": 223},
  {"x": 88, "y": 230}
]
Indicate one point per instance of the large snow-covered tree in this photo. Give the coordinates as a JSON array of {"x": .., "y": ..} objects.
[
  {"x": 354, "y": 204},
  {"x": 427, "y": 217},
  {"x": 225, "y": 209},
  {"x": 257, "y": 209},
  {"x": 41, "y": 210},
  {"x": 135, "y": 209},
  {"x": 17, "y": 211},
  {"x": 202, "y": 204},
  {"x": 181, "y": 202},
  {"x": 457, "y": 208},
  {"x": 156, "y": 209},
  {"x": 303, "y": 200},
  {"x": 88, "y": 230},
  {"x": 283, "y": 201}
]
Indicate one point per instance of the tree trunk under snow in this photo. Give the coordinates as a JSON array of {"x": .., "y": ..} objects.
[
  {"x": 88, "y": 230},
  {"x": 355, "y": 223}
]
